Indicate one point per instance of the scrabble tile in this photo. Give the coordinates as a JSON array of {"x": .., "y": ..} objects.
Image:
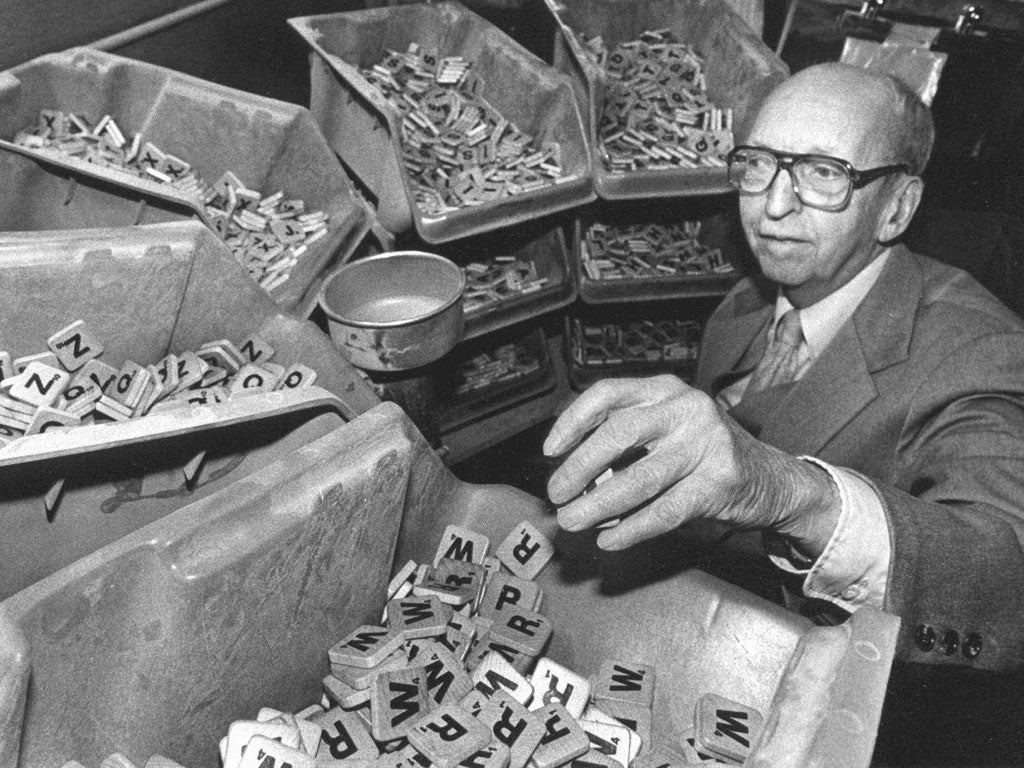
[
  {"x": 159, "y": 761},
  {"x": 611, "y": 740},
  {"x": 309, "y": 734},
  {"x": 295, "y": 376},
  {"x": 414, "y": 617},
  {"x": 344, "y": 737},
  {"x": 593, "y": 759},
  {"x": 403, "y": 575},
  {"x": 167, "y": 370},
  {"x": 446, "y": 680},
  {"x": 38, "y": 385},
  {"x": 523, "y": 629},
  {"x": 624, "y": 681},
  {"x": 659, "y": 758},
  {"x": 460, "y": 573},
  {"x": 457, "y": 643},
  {"x": 563, "y": 737},
  {"x": 8, "y": 432},
  {"x": 45, "y": 358},
  {"x": 474, "y": 701},
  {"x": 398, "y": 699},
  {"x": 116, "y": 760},
  {"x": 255, "y": 350},
  {"x": 513, "y": 725},
  {"x": 485, "y": 644},
  {"x": 98, "y": 372},
  {"x": 362, "y": 677},
  {"x": 345, "y": 696},
  {"x": 449, "y": 735},
  {"x": 493, "y": 564},
  {"x": 404, "y": 756},
  {"x": 264, "y": 752},
  {"x": 495, "y": 673},
  {"x": 216, "y": 355},
  {"x": 129, "y": 384},
  {"x": 252, "y": 379},
  {"x": 310, "y": 712},
  {"x": 268, "y": 713},
  {"x": 12, "y": 420},
  {"x": 366, "y": 646},
  {"x": 507, "y": 591},
  {"x": 637, "y": 717},
  {"x": 79, "y": 394},
  {"x": 525, "y": 551},
  {"x": 191, "y": 370},
  {"x": 725, "y": 728},
  {"x": 553, "y": 682},
  {"x": 494, "y": 755},
  {"x": 460, "y": 543},
  {"x": 112, "y": 409},
  {"x": 241, "y": 731},
  {"x": 49, "y": 419},
  {"x": 74, "y": 345}
]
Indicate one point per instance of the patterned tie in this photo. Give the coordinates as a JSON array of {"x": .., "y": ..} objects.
[{"x": 781, "y": 362}]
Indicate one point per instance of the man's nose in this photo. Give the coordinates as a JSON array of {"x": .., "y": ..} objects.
[{"x": 781, "y": 196}]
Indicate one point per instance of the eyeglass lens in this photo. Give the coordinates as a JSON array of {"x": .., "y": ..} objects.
[{"x": 819, "y": 181}]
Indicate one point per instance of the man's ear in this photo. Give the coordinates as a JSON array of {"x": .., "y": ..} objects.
[{"x": 904, "y": 198}]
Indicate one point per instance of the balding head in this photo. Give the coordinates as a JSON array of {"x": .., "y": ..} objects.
[{"x": 901, "y": 122}]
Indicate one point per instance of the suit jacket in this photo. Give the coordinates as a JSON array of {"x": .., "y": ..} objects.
[{"x": 922, "y": 392}]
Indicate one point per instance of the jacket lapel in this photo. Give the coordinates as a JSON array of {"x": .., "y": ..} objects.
[
  {"x": 839, "y": 384},
  {"x": 734, "y": 329}
]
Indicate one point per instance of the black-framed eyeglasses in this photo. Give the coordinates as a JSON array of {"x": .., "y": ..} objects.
[{"x": 819, "y": 181}]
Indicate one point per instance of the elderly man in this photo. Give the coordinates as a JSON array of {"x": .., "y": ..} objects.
[{"x": 862, "y": 404}]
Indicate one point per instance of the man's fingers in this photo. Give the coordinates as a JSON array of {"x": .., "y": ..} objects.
[
  {"x": 590, "y": 409},
  {"x": 664, "y": 514},
  {"x": 621, "y": 431},
  {"x": 624, "y": 491}
]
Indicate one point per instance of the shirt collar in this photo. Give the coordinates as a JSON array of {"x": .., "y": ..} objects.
[{"x": 822, "y": 320}]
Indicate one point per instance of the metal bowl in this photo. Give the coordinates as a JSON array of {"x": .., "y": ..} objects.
[{"x": 395, "y": 311}]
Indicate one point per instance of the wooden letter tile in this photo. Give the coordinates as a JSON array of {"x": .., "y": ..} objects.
[
  {"x": 563, "y": 737},
  {"x": 460, "y": 543},
  {"x": 398, "y": 699},
  {"x": 344, "y": 737},
  {"x": 625, "y": 681},
  {"x": 366, "y": 647},
  {"x": 74, "y": 345},
  {"x": 495, "y": 673},
  {"x": 38, "y": 385},
  {"x": 513, "y": 725},
  {"x": 523, "y": 629},
  {"x": 725, "y": 728},
  {"x": 449, "y": 735},
  {"x": 414, "y": 617},
  {"x": 525, "y": 551},
  {"x": 553, "y": 682},
  {"x": 505, "y": 591}
]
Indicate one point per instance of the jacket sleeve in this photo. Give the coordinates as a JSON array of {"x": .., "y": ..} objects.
[{"x": 956, "y": 510}]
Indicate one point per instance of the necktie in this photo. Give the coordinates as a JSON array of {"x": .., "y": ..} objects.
[{"x": 781, "y": 362}]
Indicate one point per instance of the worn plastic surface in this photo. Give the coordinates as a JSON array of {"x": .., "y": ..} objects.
[
  {"x": 268, "y": 144},
  {"x": 143, "y": 291},
  {"x": 739, "y": 67},
  {"x": 364, "y": 130},
  {"x": 158, "y": 641}
]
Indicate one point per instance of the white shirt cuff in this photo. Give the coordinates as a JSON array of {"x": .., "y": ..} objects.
[{"x": 853, "y": 568}]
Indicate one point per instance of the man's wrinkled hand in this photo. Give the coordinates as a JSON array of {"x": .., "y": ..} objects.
[{"x": 699, "y": 464}]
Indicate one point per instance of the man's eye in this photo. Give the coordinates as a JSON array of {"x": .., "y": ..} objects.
[
  {"x": 823, "y": 171},
  {"x": 759, "y": 163}
]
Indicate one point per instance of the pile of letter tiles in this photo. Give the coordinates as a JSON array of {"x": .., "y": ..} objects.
[
  {"x": 458, "y": 149},
  {"x": 640, "y": 341},
  {"x": 267, "y": 234},
  {"x": 656, "y": 113},
  {"x": 509, "y": 362},
  {"x": 455, "y": 676},
  {"x": 504, "y": 278},
  {"x": 649, "y": 251},
  {"x": 69, "y": 385}
]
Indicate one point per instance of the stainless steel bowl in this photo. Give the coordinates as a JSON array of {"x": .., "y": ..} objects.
[{"x": 395, "y": 311}]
